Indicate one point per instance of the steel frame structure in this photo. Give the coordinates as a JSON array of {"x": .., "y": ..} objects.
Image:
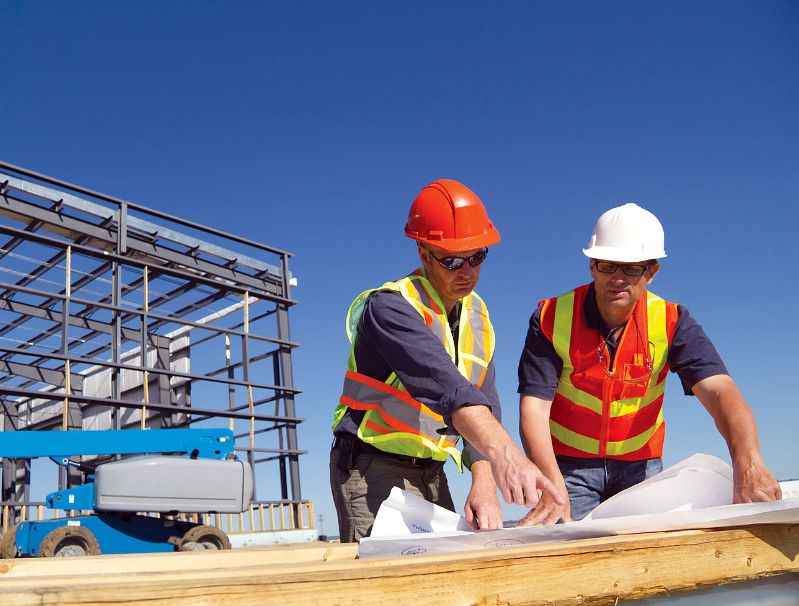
[{"x": 115, "y": 315}]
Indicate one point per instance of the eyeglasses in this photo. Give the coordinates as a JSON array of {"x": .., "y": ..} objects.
[
  {"x": 633, "y": 271},
  {"x": 648, "y": 366},
  {"x": 455, "y": 263}
]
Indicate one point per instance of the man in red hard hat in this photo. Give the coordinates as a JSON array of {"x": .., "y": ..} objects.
[
  {"x": 420, "y": 374},
  {"x": 593, "y": 370}
]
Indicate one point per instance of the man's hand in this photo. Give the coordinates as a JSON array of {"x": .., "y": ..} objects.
[
  {"x": 519, "y": 480},
  {"x": 482, "y": 509},
  {"x": 752, "y": 482},
  {"x": 534, "y": 430},
  {"x": 548, "y": 511}
]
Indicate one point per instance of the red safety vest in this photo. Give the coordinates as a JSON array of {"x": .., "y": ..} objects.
[{"x": 602, "y": 410}]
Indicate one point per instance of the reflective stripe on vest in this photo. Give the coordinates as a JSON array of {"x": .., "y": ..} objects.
[
  {"x": 594, "y": 415},
  {"x": 393, "y": 420}
]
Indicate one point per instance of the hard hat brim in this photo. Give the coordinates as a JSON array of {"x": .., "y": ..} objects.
[
  {"x": 489, "y": 238},
  {"x": 619, "y": 255}
]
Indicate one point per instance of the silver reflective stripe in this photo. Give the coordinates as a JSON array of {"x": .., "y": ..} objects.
[
  {"x": 478, "y": 328},
  {"x": 390, "y": 405},
  {"x": 423, "y": 297}
]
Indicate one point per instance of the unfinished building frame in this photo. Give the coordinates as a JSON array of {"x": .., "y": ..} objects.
[{"x": 115, "y": 316}]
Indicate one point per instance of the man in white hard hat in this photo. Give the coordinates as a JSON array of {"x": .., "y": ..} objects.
[{"x": 593, "y": 370}]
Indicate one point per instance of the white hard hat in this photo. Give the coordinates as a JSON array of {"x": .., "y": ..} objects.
[{"x": 626, "y": 234}]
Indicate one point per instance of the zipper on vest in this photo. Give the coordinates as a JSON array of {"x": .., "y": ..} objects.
[{"x": 607, "y": 388}]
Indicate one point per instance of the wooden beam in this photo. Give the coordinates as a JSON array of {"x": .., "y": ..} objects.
[
  {"x": 594, "y": 571},
  {"x": 306, "y": 554}
]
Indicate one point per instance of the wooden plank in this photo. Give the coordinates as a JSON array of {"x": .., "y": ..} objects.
[
  {"x": 597, "y": 571},
  {"x": 310, "y": 553}
]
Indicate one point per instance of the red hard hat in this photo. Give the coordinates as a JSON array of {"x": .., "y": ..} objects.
[{"x": 449, "y": 215}]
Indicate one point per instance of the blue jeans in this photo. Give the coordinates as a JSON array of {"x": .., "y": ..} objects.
[{"x": 591, "y": 481}]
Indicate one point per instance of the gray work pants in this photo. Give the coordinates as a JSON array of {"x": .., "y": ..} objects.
[{"x": 359, "y": 493}]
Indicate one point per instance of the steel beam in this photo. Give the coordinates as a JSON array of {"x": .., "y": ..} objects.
[
  {"x": 104, "y": 238},
  {"x": 40, "y": 374},
  {"x": 59, "y": 395}
]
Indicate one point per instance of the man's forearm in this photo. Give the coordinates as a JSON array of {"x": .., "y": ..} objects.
[
  {"x": 482, "y": 430},
  {"x": 536, "y": 439},
  {"x": 732, "y": 415},
  {"x": 752, "y": 481},
  {"x": 517, "y": 478},
  {"x": 534, "y": 430}
]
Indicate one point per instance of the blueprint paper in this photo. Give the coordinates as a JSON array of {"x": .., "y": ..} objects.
[
  {"x": 695, "y": 493},
  {"x": 778, "y": 512},
  {"x": 694, "y": 483},
  {"x": 404, "y": 513}
]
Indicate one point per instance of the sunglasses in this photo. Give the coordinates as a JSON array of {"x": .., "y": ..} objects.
[
  {"x": 633, "y": 271},
  {"x": 455, "y": 263}
]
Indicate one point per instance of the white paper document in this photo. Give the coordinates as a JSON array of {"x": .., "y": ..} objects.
[
  {"x": 404, "y": 513},
  {"x": 694, "y": 483},
  {"x": 695, "y": 493}
]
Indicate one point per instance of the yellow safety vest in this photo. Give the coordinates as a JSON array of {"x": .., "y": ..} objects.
[{"x": 393, "y": 420}]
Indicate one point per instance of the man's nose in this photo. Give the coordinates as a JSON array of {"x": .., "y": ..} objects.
[
  {"x": 619, "y": 274},
  {"x": 466, "y": 270}
]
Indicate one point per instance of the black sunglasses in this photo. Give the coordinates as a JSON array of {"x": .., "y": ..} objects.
[
  {"x": 455, "y": 263},
  {"x": 633, "y": 271}
]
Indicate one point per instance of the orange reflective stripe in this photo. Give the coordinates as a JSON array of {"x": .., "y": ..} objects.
[
  {"x": 417, "y": 294},
  {"x": 547, "y": 319},
  {"x": 392, "y": 391},
  {"x": 377, "y": 428},
  {"x": 429, "y": 299},
  {"x": 428, "y": 318},
  {"x": 482, "y": 378},
  {"x": 446, "y": 443},
  {"x": 396, "y": 408},
  {"x": 395, "y": 423},
  {"x": 352, "y": 403}
]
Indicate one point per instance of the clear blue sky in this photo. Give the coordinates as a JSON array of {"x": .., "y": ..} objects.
[{"x": 311, "y": 126}]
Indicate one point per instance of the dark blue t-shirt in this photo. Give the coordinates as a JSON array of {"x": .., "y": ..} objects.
[
  {"x": 691, "y": 355},
  {"x": 392, "y": 336}
]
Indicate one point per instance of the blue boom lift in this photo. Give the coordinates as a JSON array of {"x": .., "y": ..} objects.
[{"x": 205, "y": 479}]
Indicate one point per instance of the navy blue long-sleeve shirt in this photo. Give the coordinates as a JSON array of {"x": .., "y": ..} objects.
[{"x": 392, "y": 336}]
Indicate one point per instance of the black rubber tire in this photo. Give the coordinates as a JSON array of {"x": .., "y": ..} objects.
[
  {"x": 69, "y": 541},
  {"x": 8, "y": 544},
  {"x": 208, "y": 537}
]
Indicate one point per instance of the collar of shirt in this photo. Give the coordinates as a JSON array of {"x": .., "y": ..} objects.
[{"x": 594, "y": 320}]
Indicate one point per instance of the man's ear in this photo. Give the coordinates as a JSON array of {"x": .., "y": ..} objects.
[
  {"x": 422, "y": 253},
  {"x": 654, "y": 268}
]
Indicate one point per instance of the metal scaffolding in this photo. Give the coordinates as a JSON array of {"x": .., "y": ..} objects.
[{"x": 114, "y": 316}]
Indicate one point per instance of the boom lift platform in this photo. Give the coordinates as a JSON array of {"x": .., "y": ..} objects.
[{"x": 205, "y": 479}]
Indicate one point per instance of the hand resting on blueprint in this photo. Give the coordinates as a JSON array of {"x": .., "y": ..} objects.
[
  {"x": 548, "y": 511},
  {"x": 482, "y": 508},
  {"x": 698, "y": 481}
]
